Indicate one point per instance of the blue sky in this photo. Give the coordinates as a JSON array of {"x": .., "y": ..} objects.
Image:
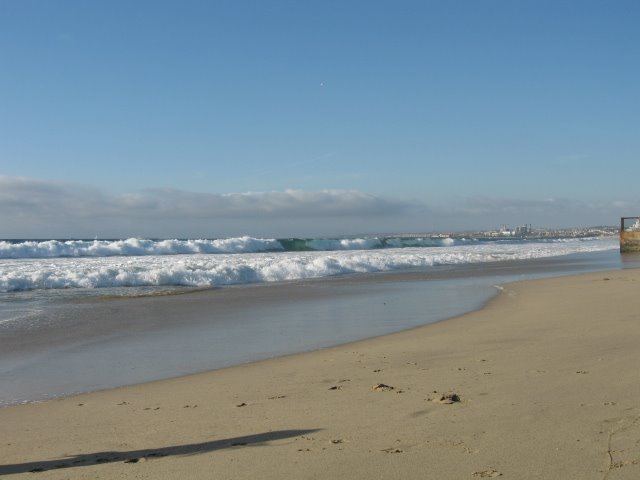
[{"x": 405, "y": 116}]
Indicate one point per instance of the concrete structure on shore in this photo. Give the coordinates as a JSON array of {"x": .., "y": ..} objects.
[{"x": 630, "y": 234}]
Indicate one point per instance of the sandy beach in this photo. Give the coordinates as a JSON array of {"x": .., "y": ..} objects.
[{"x": 543, "y": 382}]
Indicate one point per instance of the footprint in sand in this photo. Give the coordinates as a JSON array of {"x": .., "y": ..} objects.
[
  {"x": 490, "y": 473},
  {"x": 392, "y": 450}
]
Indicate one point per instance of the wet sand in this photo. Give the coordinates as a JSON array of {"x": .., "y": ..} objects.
[
  {"x": 541, "y": 383},
  {"x": 93, "y": 341}
]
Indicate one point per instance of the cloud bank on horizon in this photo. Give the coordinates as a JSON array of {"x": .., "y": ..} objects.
[{"x": 34, "y": 208}]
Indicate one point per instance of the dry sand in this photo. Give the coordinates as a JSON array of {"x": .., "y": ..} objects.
[{"x": 546, "y": 380}]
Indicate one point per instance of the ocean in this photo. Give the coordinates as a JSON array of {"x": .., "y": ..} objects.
[
  {"x": 93, "y": 265},
  {"x": 81, "y": 315}
]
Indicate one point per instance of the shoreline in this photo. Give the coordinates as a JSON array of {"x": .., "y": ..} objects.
[
  {"x": 546, "y": 374},
  {"x": 93, "y": 343}
]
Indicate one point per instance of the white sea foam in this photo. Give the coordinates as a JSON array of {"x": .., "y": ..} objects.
[
  {"x": 226, "y": 269},
  {"x": 133, "y": 247},
  {"x": 380, "y": 242},
  {"x": 344, "y": 244},
  {"x": 147, "y": 247}
]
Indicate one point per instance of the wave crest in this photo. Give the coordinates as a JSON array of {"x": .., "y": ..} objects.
[
  {"x": 226, "y": 269},
  {"x": 134, "y": 247},
  {"x": 143, "y": 247}
]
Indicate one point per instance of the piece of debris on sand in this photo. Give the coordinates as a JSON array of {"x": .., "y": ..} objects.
[
  {"x": 448, "y": 398},
  {"x": 381, "y": 387}
]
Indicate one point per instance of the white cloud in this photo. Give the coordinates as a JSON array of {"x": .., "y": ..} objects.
[
  {"x": 546, "y": 212},
  {"x": 44, "y": 208},
  {"x": 291, "y": 203}
]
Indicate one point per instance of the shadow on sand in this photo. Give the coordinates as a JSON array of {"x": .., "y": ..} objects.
[{"x": 134, "y": 456}]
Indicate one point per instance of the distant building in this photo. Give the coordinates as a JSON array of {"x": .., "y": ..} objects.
[
  {"x": 519, "y": 231},
  {"x": 522, "y": 231}
]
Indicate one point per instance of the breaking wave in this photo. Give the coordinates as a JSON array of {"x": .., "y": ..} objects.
[
  {"x": 165, "y": 267},
  {"x": 133, "y": 247},
  {"x": 139, "y": 246}
]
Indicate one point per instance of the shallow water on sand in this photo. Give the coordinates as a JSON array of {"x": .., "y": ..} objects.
[{"x": 87, "y": 343}]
